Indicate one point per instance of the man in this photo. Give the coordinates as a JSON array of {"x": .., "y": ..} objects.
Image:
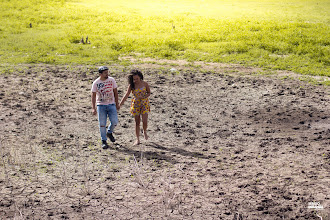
[{"x": 105, "y": 104}]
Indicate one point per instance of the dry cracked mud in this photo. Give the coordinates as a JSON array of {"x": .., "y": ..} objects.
[{"x": 223, "y": 144}]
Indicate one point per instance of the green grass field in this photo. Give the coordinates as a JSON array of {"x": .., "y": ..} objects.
[{"x": 288, "y": 35}]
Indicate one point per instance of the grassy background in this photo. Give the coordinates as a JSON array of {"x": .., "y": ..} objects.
[{"x": 288, "y": 35}]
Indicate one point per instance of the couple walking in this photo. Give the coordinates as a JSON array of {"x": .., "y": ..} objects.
[{"x": 105, "y": 103}]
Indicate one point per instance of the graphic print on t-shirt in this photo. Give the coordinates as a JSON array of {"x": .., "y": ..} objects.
[{"x": 105, "y": 91}]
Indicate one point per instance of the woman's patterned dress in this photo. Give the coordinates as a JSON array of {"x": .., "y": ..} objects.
[{"x": 139, "y": 106}]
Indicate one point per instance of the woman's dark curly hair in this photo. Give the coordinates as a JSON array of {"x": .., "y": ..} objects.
[{"x": 134, "y": 72}]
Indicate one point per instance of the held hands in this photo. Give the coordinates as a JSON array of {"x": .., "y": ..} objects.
[
  {"x": 94, "y": 112},
  {"x": 120, "y": 105}
]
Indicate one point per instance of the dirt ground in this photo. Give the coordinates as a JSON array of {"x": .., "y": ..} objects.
[{"x": 225, "y": 143}]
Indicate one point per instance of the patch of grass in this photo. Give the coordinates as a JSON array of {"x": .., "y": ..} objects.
[
  {"x": 314, "y": 81},
  {"x": 281, "y": 35}
]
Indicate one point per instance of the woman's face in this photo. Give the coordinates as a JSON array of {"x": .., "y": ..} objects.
[{"x": 136, "y": 79}]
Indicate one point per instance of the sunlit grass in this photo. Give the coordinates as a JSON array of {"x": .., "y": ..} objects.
[
  {"x": 293, "y": 9},
  {"x": 290, "y": 35}
]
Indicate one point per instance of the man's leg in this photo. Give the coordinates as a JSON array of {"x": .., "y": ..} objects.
[
  {"x": 113, "y": 117},
  {"x": 102, "y": 116}
]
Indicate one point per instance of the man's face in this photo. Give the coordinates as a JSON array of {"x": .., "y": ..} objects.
[{"x": 104, "y": 74}]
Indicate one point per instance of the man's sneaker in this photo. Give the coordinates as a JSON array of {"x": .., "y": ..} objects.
[
  {"x": 110, "y": 136},
  {"x": 105, "y": 145}
]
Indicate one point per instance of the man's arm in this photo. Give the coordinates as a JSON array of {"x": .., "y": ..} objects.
[
  {"x": 93, "y": 97},
  {"x": 115, "y": 92}
]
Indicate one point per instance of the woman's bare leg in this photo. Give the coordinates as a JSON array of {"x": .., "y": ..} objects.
[
  {"x": 145, "y": 125},
  {"x": 137, "y": 129}
]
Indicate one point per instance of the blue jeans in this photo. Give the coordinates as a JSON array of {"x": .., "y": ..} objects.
[{"x": 103, "y": 112}]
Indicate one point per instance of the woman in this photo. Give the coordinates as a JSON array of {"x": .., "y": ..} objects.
[{"x": 140, "y": 106}]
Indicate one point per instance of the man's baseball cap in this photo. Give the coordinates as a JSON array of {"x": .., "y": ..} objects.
[{"x": 102, "y": 68}]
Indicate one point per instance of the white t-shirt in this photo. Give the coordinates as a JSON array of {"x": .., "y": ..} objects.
[{"x": 104, "y": 91}]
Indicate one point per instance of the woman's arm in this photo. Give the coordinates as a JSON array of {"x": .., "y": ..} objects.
[
  {"x": 126, "y": 96},
  {"x": 148, "y": 91}
]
